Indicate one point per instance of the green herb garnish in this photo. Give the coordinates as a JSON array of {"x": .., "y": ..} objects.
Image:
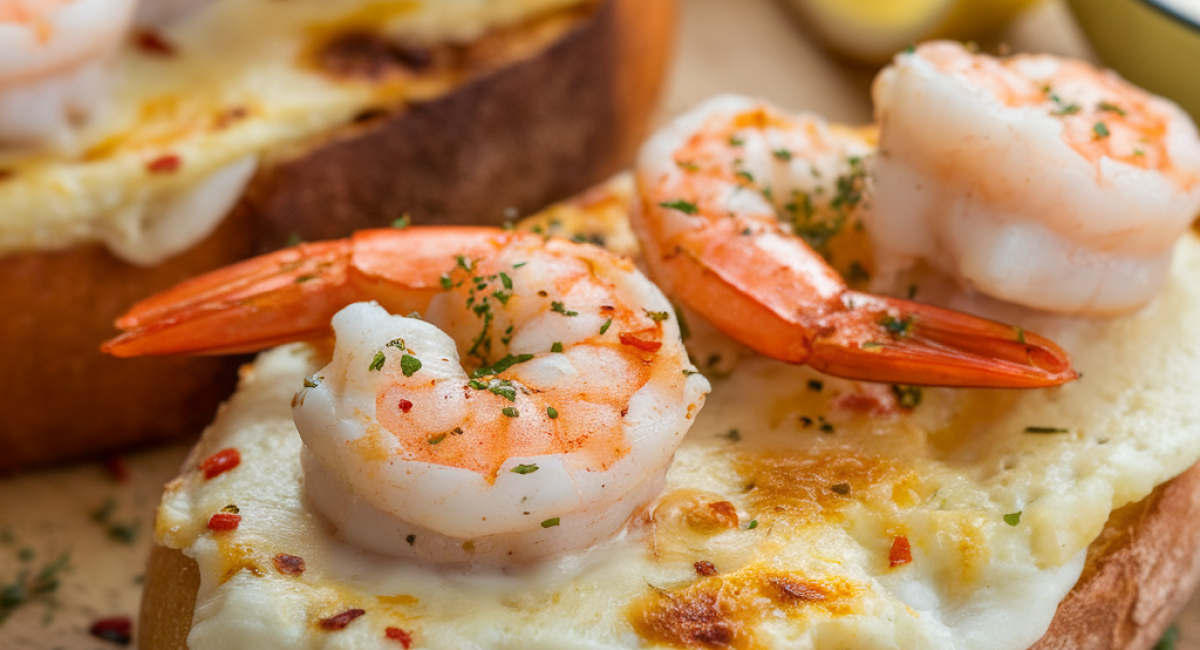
[
  {"x": 1013, "y": 518},
  {"x": 681, "y": 205},
  {"x": 550, "y": 523},
  {"x": 551, "y": 412},
  {"x": 525, "y": 469},
  {"x": 510, "y": 411},
  {"x": 377, "y": 362},
  {"x": 409, "y": 364}
]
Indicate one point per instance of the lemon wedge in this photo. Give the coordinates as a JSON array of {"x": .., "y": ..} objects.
[{"x": 872, "y": 31}]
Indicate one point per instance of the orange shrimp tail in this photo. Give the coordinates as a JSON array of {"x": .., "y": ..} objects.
[
  {"x": 291, "y": 295},
  {"x": 285, "y": 296},
  {"x": 892, "y": 340}
]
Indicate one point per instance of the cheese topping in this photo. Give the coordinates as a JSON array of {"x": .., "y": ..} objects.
[
  {"x": 236, "y": 81},
  {"x": 801, "y": 511}
]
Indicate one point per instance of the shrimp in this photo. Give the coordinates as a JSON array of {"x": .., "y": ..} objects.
[
  {"x": 726, "y": 192},
  {"x": 575, "y": 393},
  {"x": 54, "y": 59},
  {"x": 1038, "y": 180}
]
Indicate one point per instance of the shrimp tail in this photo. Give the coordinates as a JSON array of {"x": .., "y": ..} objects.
[
  {"x": 292, "y": 294},
  {"x": 891, "y": 340},
  {"x": 284, "y": 296}
]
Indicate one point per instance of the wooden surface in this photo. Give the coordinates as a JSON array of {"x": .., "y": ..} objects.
[{"x": 748, "y": 46}]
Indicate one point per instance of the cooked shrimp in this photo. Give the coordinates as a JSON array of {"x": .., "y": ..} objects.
[
  {"x": 575, "y": 393},
  {"x": 54, "y": 56},
  {"x": 726, "y": 193},
  {"x": 1039, "y": 180}
]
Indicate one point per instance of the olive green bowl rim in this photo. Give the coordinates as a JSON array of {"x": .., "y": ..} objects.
[{"x": 1172, "y": 13}]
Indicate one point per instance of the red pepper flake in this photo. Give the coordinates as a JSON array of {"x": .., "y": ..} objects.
[
  {"x": 118, "y": 629},
  {"x": 164, "y": 164},
  {"x": 641, "y": 344},
  {"x": 396, "y": 634},
  {"x": 405, "y": 406},
  {"x": 289, "y": 565},
  {"x": 705, "y": 568},
  {"x": 901, "y": 552},
  {"x": 220, "y": 462},
  {"x": 152, "y": 42},
  {"x": 116, "y": 468},
  {"x": 340, "y": 621},
  {"x": 224, "y": 521}
]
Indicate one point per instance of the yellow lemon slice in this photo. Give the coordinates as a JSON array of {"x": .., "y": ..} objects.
[{"x": 873, "y": 30}]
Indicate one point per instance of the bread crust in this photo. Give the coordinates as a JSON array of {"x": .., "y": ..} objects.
[
  {"x": 539, "y": 127},
  {"x": 1138, "y": 576}
]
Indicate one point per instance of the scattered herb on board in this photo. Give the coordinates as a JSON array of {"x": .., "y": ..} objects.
[
  {"x": 1046, "y": 430},
  {"x": 30, "y": 587}
]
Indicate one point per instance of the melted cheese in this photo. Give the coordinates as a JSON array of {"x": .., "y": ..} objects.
[
  {"x": 239, "y": 87},
  {"x": 829, "y": 474}
]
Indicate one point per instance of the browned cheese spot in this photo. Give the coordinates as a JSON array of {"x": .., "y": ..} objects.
[
  {"x": 796, "y": 486},
  {"x": 724, "y": 611}
]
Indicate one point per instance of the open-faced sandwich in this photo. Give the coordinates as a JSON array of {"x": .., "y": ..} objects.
[
  {"x": 491, "y": 454},
  {"x": 142, "y": 143}
]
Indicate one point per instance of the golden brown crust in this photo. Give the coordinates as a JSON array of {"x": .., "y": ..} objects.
[
  {"x": 1139, "y": 574},
  {"x": 539, "y": 127}
]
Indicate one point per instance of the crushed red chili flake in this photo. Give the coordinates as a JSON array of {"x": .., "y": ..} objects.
[
  {"x": 901, "y": 552},
  {"x": 405, "y": 406},
  {"x": 116, "y": 468},
  {"x": 118, "y": 629},
  {"x": 705, "y": 568},
  {"x": 641, "y": 344},
  {"x": 220, "y": 462},
  {"x": 396, "y": 634},
  {"x": 164, "y": 164},
  {"x": 152, "y": 42},
  {"x": 224, "y": 521},
  {"x": 290, "y": 565},
  {"x": 340, "y": 621}
]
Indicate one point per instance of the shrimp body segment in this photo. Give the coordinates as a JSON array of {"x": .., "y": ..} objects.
[
  {"x": 1038, "y": 180},
  {"x": 532, "y": 409},
  {"x": 54, "y": 59},
  {"x": 731, "y": 192}
]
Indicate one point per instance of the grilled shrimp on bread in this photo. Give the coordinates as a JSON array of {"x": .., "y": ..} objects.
[
  {"x": 575, "y": 393},
  {"x": 54, "y": 56},
  {"x": 1038, "y": 180},
  {"x": 724, "y": 190}
]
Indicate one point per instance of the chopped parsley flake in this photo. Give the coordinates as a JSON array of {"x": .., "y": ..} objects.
[
  {"x": 1020, "y": 335},
  {"x": 656, "y": 316},
  {"x": 736, "y": 141},
  {"x": 908, "y": 397},
  {"x": 438, "y": 438},
  {"x": 733, "y": 435},
  {"x": 525, "y": 469},
  {"x": 1046, "y": 430},
  {"x": 556, "y": 306},
  {"x": 556, "y": 347},
  {"x": 551, "y": 412},
  {"x": 501, "y": 387},
  {"x": 1100, "y": 129},
  {"x": 607, "y": 324},
  {"x": 377, "y": 362},
  {"x": 447, "y": 283},
  {"x": 402, "y": 222},
  {"x": 396, "y": 343},
  {"x": 1138, "y": 152},
  {"x": 1013, "y": 518},
  {"x": 1111, "y": 108},
  {"x": 312, "y": 382},
  {"x": 550, "y": 523},
  {"x": 816, "y": 385},
  {"x": 409, "y": 364},
  {"x": 510, "y": 411},
  {"x": 871, "y": 345},
  {"x": 506, "y": 281},
  {"x": 752, "y": 525},
  {"x": 782, "y": 154},
  {"x": 745, "y": 175},
  {"x": 411, "y": 539},
  {"x": 898, "y": 327},
  {"x": 681, "y": 205},
  {"x": 687, "y": 166},
  {"x": 501, "y": 365}
]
